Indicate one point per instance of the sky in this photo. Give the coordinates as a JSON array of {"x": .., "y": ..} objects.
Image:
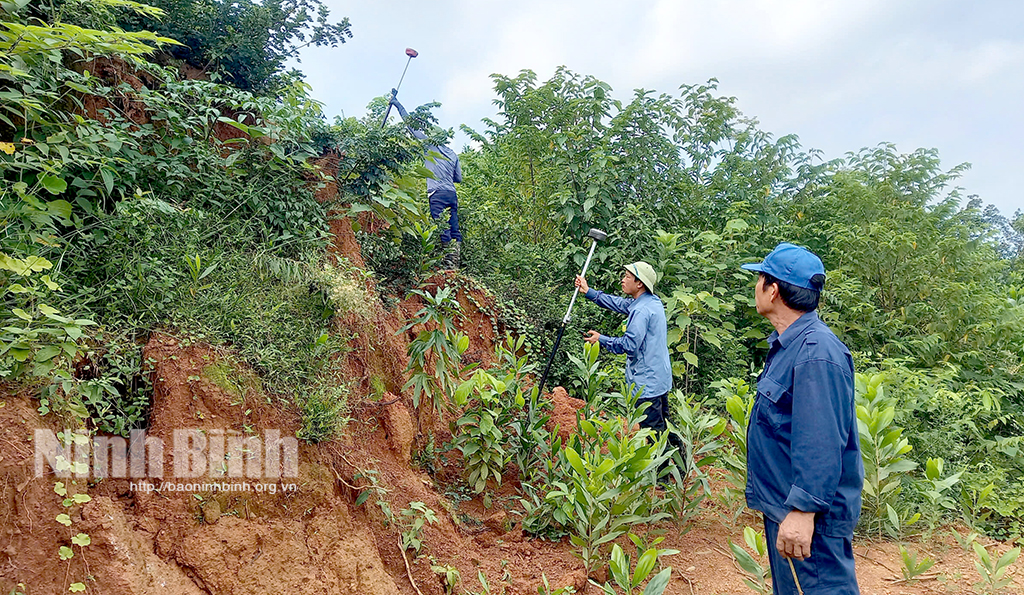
[{"x": 841, "y": 75}]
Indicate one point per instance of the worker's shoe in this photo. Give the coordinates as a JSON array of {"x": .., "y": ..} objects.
[
  {"x": 451, "y": 255},
  {"x": 456, "y": 255},
  {"x": 446, "y": 251}
]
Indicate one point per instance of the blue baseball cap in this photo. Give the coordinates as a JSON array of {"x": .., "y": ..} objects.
[{"x": 792, "y": 264}]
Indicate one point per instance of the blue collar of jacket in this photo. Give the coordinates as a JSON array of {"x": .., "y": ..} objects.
[
  {"x": 794, "y": 330},
  {"x": 646, "y": 295}
]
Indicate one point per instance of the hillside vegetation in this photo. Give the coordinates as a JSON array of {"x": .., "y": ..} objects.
[{"x": 180, "y": 183}]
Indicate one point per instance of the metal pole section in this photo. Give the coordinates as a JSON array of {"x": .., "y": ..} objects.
[
  {"x": 403, "y": 75},
  {"x": 576, "y": 292},
  {"x": 551, "y": 358},
  {"x": 395, "y": 93},
  {"x": 565, "y": 322}
]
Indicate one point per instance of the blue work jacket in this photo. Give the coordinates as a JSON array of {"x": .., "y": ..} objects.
[
  {"x": 645, "y": 342},
  {"x": 803, "y": 449}
]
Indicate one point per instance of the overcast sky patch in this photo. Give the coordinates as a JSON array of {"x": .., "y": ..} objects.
[{"x": 840, "y": 75}]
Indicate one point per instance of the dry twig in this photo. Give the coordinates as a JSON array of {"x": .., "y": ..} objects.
[
  {"x": 922, "y": 577},
  {"x": 870, "y": 559},
  {"x": 689, "y": 582},
  {"x": 408, "y": 571}
]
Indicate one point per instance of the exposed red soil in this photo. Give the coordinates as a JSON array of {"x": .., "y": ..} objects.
[
  {"x": 115, "y": 71},
  {"x": 316, "y": 540},
  {"x": 563, "y": 413}
]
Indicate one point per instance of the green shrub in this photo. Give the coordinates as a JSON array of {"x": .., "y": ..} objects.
[
  {"x": 609, "y": 484},
  {"x": 702, "y": 433},
  {"x": 324, "y": 412},
  {"x": 481, "y": 432},
  {"x": 630, "y": 577},
  {"x": 435, "y": 352},
  {"x": 882, "y": 448},
  {"x": 118, "y": 388},
  {"x": 739, "y": 403}
]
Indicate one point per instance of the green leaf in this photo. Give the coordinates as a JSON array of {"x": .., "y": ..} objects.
[
  {"x": 486, "y": 423},
  {"x": 1008, "y": 558},
  {"x": 76, "y": 587},
  {"x": 47, "y": 353},
  {"x": 982, "y": 553},
  {"x": 575, "y": 461},
  {"x": 645, "y": 565},
  {"x": 19, "y": 354},
  {"x": 81, "y": 540},
  {"x": 66, "y": 553},
  {"x": 462, "y": 392},
  {"x": 53, "y": 184},
  {"x": 21, "y": 314},
  {"x": 108, "y": 179},
  {"x": 659, "y": 582},
  {"x": 59, "y": 208},
  {"x": 49, "y": 283},
  {"x": 745, "y": 560}
]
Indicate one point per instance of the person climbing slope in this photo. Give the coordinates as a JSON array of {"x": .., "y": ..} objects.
[{"x": 443, "y": 163}]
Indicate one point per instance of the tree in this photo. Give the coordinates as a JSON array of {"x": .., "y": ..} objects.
[{"x": 246, "y": 41}]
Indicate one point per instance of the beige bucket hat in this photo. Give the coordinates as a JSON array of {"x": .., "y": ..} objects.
[{"x": 644, "y": 272}]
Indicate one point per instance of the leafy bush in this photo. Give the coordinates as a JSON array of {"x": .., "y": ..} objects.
[
  {"x": 882, "y": 448},
  {"x": 609, "y": 486},
  {"x": 247, "y": 42},
  {"x": 480, "y": 433},
  {"x": 702, "y": 433},
  {"x": 739, "y": 403},
  {"x": 435, "y": 352},
  {"x": 417, "y": 516},
  {"x": 912, "y": 567},
  {"x": 992, "y": 570},
  {"x": 324, "y": 412},
  {"x": 117, "y": 387},
  {"x": 345, "y": 291},
  {"x": 629, "y": 582}
]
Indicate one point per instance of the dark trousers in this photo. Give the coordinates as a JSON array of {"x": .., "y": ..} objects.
[
  {"x": 446, "y": 199},
  {"x": 658, "y": 415},
  {"x": 829, "y": 570}
]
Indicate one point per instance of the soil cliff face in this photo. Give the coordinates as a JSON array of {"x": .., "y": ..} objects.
[{"x": 171, "y": 534}]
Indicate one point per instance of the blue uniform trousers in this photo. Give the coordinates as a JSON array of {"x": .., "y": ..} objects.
[
  {"x": 829, "y": 570},
  {"x": 446, "y": 199}
]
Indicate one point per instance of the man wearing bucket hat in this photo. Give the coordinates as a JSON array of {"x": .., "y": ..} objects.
[
  {"x": 645, "y": 342},
  {"x": 804, "y": 469}
]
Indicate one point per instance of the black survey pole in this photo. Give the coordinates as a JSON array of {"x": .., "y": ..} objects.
[{"x": 596, "y": 235}]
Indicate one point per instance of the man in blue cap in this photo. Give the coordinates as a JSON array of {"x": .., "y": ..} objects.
[{"x": 804, "y": 468}]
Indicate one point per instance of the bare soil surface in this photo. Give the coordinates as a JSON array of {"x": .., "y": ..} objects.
[{"x": 315, "y": 539}]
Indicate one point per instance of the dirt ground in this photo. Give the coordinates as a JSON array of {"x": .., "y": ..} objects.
[{"x": 316, "y": 539}]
